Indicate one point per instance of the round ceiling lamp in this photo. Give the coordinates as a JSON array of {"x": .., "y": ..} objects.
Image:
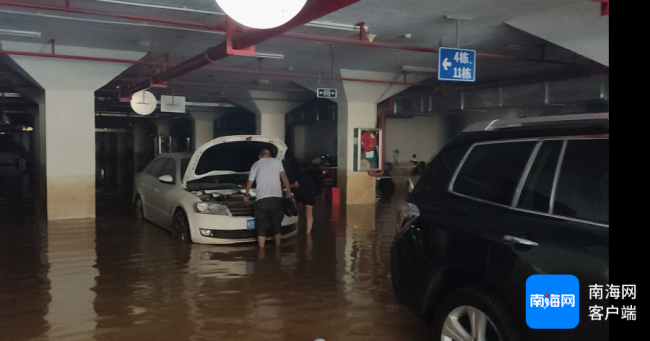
[
  {"x": 261, "y": 14},
  {"x": 144, "y": 102}
]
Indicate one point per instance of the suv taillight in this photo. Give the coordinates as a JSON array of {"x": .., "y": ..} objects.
[{"x": 407, "y": 214}]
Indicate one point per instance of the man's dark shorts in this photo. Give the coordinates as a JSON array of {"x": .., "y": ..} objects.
[{"x": 269, "y": 214}]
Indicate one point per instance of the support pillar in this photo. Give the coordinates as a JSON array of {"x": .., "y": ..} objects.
[
  {"x": 299, "y": 141},
  {"x": 357, "y": 108},
  {"x": 269, "y": 109},
  {"x": 270, "y": 124},
  {"x": 67, "y": 121},
  {"x": 204, "y": 127},
  {"x": 163, "y": 128},
  {"x": 123, "y": 164},
  {"x": 140, "y": 152}
]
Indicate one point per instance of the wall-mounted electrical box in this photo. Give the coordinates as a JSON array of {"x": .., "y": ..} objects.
[{"x": 367, "y": 150}]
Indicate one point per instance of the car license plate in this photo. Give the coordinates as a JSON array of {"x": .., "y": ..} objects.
[{"x": 250, "y": 224}]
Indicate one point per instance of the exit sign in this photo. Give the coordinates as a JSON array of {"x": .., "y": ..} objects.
[{"x": 326, "y": 93}]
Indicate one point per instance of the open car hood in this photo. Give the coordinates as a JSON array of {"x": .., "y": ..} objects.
[{"x": 230, "y": 154}]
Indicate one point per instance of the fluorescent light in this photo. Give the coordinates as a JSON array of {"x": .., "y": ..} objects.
[
  {"x": 20, "y": 33},
  {"x": 419, "y": 69},
  {"x": 9, "y": 94},
  {"x": 334, "y": 26},
  {"x": 184, "y": 9},
  {"x": 269, "y": 55}
]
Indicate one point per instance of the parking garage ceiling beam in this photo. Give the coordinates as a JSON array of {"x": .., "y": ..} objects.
[
  {"x": 222, "y": 29},
  {"x": 312, "y": 11}
]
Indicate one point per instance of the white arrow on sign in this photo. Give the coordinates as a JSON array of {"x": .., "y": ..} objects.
[{"x": 446, "y": 63}]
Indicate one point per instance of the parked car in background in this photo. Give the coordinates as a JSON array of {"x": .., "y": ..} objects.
[
  {"x": 200, "y": 196},
  {"x": 505, "y": 200},
  {"x": 14, "y": 159}
]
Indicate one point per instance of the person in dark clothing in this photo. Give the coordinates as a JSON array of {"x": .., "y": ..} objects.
[{"x": 304, "y": 190}]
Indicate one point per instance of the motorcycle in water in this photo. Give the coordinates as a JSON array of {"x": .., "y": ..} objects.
[
  {"x": 417, "y": 172},
  {"x": 322, "y": 170},
  {"x": 420, "y": 166},
  {"x": 385, "y": 185}
]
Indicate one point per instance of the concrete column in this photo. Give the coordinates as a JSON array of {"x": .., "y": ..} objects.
[
  {"x": 300, "y": 141},
  {"x": 163, "y": 127},
  {"x": 270, "y": 124},
  {"x": 140, "y": 153},
  {"x": 110, "y": 160},
  {"x": 269, "y": 109},
  {"x": 358, "y": 109},
  {"x": 204, "y": 127},
  {"x": 68, "y": 102},
  {"x": 123, "y": 169}
]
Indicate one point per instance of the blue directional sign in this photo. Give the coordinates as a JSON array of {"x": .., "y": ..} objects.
[{"x": 456, "y": 65}]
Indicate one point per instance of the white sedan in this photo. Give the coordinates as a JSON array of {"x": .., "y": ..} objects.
[{"x": 200, "y": 196}]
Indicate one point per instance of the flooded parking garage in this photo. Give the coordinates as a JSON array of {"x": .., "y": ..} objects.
[
  {"x": 131, "y": 134},
  {"x": 120, "y": 279}
]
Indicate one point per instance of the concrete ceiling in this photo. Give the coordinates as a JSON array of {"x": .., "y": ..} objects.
[{"x": 388, "y": 19}]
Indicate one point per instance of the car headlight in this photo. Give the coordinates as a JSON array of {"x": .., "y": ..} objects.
[{"x": 210, "y": 208}]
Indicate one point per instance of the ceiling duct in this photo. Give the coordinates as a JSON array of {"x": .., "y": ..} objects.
[{"x": 577, "y": 91}]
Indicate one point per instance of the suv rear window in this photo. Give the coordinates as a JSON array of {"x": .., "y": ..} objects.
[
  {"x": 492, "y": 171},
  {"x": 583, "y": 186}
]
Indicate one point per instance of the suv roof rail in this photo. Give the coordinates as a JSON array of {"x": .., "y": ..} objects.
[{"x": 537, "y": 121}]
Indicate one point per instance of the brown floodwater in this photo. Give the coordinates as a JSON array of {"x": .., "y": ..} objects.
[{"x": 114, "y": 278}]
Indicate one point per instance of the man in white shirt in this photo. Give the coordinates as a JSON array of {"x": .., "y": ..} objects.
[{"x": 269, "y": 174}]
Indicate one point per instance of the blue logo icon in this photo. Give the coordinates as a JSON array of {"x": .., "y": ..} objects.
[{"x": 552, "y": 301}]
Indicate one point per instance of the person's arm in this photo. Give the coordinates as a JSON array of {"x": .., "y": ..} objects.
[
  {"x": 295, "y": 184},
  {"x": 249, "y": 183},
  {"x": 285, "y": 182}
]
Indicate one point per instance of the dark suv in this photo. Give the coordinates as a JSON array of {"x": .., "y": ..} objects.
[{"x": 502, "y": 201}]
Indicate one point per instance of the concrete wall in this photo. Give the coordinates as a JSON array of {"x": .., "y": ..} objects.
[
  {"x": 421, "y": 135},
  {"x": 314, "y": 139},
  {"x": 320, "y": 139},
  {"x": 427, "y": 135}
]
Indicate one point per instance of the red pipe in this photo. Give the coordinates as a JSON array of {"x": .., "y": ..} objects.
[
  {"x": 312, "y": 11},
  {"x": 149, "y": 63},
  {"x": 221, "y": 28}
]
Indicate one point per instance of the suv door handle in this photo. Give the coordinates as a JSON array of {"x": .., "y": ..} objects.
[{"x": 520, "y": 241}]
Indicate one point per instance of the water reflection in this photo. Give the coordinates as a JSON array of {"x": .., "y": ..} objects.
[{"x": 117, "y": 279}]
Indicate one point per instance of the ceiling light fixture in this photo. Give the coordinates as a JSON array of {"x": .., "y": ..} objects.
[
  {"x": 261, "y": 14},
  {"x": 334, "y": 25},
  {"x": 268, "y": 55},
  {"x": 419, "y": 69},
  {"x": 315, "y": 23},
  {"x": 16, "y": 33}
]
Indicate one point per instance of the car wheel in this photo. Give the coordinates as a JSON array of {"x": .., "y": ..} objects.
[
  {"x": 181, "y": 227},
  {"x": 474, "y": 314},
  {"x": 138, "y": 209},
  {"x": 21, "y": 164}
]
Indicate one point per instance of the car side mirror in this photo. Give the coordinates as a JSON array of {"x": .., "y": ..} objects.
[{"x": 167, "y": 179}]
